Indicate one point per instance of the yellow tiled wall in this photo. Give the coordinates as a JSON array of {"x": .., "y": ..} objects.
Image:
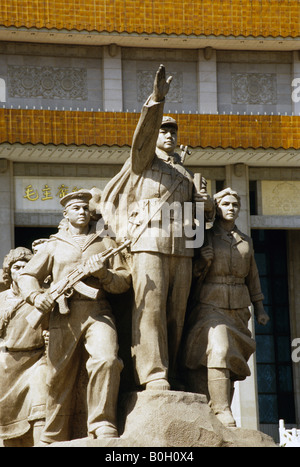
[
  {"x": 117, "y": 128},
  {"x": 227, "y": 17}
]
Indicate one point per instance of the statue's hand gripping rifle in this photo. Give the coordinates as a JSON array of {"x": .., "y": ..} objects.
[{"x": 63, "y": 289}]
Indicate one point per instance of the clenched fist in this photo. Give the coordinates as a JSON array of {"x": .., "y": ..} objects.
[
  {"x": 44, "y": 302},
  {"x": 203, "y": 196},
  {"x": 95, "y": 266}
]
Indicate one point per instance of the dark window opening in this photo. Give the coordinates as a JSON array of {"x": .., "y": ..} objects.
[
  {"x": 253, "y": 197},
  {"x": 219, "y": 185},
  {"x": 273, "y": 353},
  {"x": 24, "y": 236}
]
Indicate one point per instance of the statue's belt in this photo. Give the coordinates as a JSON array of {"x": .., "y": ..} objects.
[
  {"x": 78, "y": 296},
  {"x": 228, "y": 280}
]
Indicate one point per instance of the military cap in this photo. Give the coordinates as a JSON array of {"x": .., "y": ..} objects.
[
  {"x": 169, "y": 121},
  {"x": 76, "y": 197}
]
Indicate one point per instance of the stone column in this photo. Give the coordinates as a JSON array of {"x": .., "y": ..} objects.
[
  {"x": 295, "y": 90},
  {"x": 112, "y": 78},
  {"x": 6, "y": 208},
  {"x": 2, "y": 90},
  {"x": 207, "y": 81},
  {"x": 245, "y": 401}
]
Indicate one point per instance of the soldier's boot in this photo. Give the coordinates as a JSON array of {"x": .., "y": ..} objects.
[
  {"x": 219, "y": 387},
  {"x": 158, "y": 385},
  {"x": 106, "y": 430}
]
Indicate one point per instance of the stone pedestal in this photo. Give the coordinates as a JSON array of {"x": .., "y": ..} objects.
[{"x": 172, "y": 419}]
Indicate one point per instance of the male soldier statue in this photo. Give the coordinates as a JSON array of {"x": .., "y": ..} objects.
[
  {"x": 89, "y": 322},
  {"x": 161, "y": 264}
]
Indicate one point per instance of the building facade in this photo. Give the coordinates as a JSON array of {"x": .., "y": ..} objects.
[{"x": 73, "y": 78}]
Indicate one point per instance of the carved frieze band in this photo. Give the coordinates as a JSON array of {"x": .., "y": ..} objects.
[
  {"x": 47, "y": 82},
  {"x": 254, "y": 88},
  {"x": 145, "y": 86}
]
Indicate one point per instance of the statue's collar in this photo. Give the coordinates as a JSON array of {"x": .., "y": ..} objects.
[
  {"x": 174, "y": 158},
  {"x": 91, "y": 236},
  {"x": 234, "y": 235}
]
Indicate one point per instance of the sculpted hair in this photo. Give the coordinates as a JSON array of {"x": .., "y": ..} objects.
[{"x": 18, "y": 254}]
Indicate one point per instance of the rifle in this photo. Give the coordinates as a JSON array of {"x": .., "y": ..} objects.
[
  {"x": 63, "y": 289},
  {"x": 184, "y": 152}
]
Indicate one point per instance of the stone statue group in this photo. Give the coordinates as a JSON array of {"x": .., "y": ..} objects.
[{"x": 190, "y": 306}]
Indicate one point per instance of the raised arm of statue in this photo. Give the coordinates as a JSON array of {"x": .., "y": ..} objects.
[
  {"x": 161, "y": 85},
  {"x": 146, "y": 133}
]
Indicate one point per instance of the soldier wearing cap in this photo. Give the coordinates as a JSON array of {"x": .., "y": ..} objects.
[
  {"x": 161, "y": 264},
  {"x": 90, "y": 322}
]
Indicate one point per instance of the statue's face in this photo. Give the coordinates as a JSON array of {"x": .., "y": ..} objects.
[
  {"x": 228, "y": 208},
  {"x": 16, "y": 269},
  {"x": 167, "y": 139},
  {"x": 78, "y": 214}
]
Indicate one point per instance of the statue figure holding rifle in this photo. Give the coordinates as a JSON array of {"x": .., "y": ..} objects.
[{"x": 86, "y": 320}]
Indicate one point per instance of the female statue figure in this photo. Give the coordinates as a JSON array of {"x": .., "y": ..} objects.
[{"x": 218, "y": 342}]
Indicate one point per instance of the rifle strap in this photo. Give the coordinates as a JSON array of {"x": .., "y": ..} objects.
[
  {"x": 163, "y": 200},
  {"x": 8, "y": 314}
]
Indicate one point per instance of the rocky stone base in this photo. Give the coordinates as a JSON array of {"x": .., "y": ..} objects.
[{"x": 172, "y": 419}]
